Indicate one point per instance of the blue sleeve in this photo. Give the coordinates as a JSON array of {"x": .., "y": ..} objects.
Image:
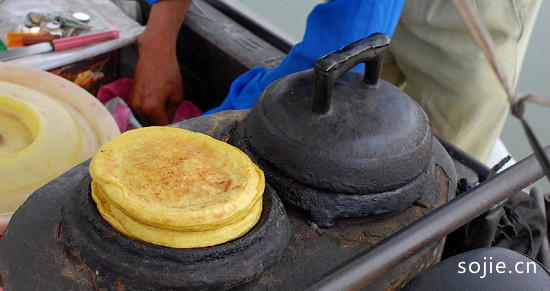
[
  {"x": 330, "y": 26},
  {"x": 151, "y": 2}
]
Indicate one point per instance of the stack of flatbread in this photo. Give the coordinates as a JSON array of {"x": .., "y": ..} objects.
[{"x": 176, "y": 188}]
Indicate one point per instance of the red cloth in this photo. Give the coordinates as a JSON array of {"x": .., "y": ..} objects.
[
  {"x": 186, "y": 110},
  {"x": 121, "y": 88}
]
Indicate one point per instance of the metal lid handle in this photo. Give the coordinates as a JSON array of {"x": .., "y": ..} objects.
[{"x": 329, "y": 68}]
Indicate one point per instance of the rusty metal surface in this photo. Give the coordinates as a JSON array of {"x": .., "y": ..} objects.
[
  {"x": 32, "y": 257},
  {"x": 314, "y": 251},
  {"x": 367, "y": 266}
]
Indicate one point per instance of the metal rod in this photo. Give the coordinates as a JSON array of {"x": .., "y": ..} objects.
[{"x": 368, "y": 266}]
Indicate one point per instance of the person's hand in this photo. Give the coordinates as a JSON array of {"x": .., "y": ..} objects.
[{"x": 157, "y": 89}]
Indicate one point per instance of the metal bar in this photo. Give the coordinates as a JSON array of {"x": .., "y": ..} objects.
[{"x": 366, "y": 267}]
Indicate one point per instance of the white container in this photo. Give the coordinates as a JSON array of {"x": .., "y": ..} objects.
[{"x": 47, "y": 126}]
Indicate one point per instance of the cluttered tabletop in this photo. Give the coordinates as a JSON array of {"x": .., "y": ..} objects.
[{"x": 49, "y": 34}]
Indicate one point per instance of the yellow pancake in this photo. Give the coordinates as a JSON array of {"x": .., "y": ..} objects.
[
  {"x": 176, "y": 239},
  {"x": 176, "y": 188}
]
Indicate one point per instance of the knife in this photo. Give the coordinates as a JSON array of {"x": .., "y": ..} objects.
[
  {"x": 27, "y": 40},
  {"x": 58, "y": 45}
]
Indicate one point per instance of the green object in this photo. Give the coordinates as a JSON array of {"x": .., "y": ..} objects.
[{"x": 2, "y": 46}]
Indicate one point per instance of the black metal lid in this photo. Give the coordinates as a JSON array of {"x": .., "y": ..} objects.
[{"x": 341, "y": 130}]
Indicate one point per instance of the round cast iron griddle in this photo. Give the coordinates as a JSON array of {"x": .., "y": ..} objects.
[
  {"x": 340, "y": 143},
  {"x": 70, "y": 247},
  {"x": 118, "y": 261},
  {"x": 326, "y": 206},
  {"x": 340, "y": 130},
  {"x": 32, "y": 257}
]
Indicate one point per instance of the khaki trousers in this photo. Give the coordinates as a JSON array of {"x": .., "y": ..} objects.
[{"x": 433, "y": 59}]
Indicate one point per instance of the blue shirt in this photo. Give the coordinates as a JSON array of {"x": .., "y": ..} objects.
[{"x": 330, "y": 26}]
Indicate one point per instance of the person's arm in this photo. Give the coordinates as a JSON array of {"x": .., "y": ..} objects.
[{"x": 157, "y": 88}]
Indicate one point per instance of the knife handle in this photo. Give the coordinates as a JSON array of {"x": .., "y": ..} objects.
[
  {"x": 34, "y": 39},
  {"x": 15, "y": 39},
  {"x": 76, "y": 41}
]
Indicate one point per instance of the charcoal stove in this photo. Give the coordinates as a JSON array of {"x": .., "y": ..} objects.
[
  {"x": 34, "y": 254},
  {"x": 57, "y": 240}
]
